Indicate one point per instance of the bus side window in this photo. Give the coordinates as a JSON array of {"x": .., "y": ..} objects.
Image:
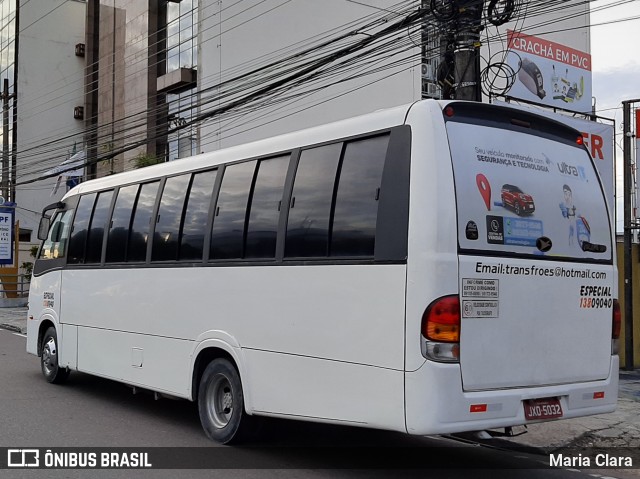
[
  {"x": 80, "y": 229},
  {"x": 266, "y": 203},
  {"x": 356, "y": 210},
  {"x": 142, "y": 222},
  {"x": 310, "y": 207},
  {"x": 166, "y": 236},
  {"x": 97, "y": 227},
  {"x": 196, "y": 215},
  {"x": 55, "y": 244},
  {"x": 230, "y": 214},
  {"x": 120, "y": 224}
]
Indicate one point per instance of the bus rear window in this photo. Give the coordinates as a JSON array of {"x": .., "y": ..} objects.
[{"x": 526, "y": 194}]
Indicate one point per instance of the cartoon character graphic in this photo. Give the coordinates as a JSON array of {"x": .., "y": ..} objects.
[
  {"x": 579, "y": 229},
  {"x": 568, "y": 210}
]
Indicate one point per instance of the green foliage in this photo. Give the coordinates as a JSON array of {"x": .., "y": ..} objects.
[
  {"x": 27, "y": 266},
  {"x": 145, "y": 159}
]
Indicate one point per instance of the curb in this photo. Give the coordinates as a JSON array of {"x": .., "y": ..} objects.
[{"x": 11, "y": 327}]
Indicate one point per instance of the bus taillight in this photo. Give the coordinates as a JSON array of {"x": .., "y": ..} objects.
[
  {"x": 441, "y": 329},
  {"x": 616, "y": 325}
]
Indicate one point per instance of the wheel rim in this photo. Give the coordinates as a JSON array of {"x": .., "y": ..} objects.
[
  {"x": 50, "y": 356},
  {"x": 220, "y": 401}
]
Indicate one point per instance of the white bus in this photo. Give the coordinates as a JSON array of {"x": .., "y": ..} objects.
[{"x": 433, "y": 268}]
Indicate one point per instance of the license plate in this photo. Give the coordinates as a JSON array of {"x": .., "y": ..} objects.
[{"x": 548, "y": 408}]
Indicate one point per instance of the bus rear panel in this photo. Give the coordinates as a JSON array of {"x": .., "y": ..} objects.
[{"x": 511, "y": 274}]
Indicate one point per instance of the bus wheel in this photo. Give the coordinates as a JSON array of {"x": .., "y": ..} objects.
[
  {"x": 49, "y": 358},
  {"x": 221, "y": 404}
]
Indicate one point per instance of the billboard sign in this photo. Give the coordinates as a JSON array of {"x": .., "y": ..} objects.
[{"x": 549, "y": 73}]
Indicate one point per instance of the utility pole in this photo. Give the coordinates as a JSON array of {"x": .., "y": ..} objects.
[
  {"x": 628, "y": 232},
  {"x": 467, "y": 51},
  {"x": 4, "y": 184}
]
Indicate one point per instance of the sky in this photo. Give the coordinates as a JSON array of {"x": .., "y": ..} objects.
[
  {"x": 615, "y": 62},
  {"x": 616, "y": 71}
]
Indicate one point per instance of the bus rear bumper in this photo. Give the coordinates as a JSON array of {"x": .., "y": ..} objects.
[{"x": 437, "y": 404}]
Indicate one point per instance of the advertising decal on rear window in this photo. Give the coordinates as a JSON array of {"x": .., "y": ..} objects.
[{"x": 528, "y": 195}]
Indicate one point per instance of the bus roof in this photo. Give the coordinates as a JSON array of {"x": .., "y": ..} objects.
[{"x": 371, "y": 122}]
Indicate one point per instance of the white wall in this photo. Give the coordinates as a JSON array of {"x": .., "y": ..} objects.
[
  {"x": 50, "y": 84},
  {"x": 229, "y": 39},
  {"x": 233, "y": 41}
]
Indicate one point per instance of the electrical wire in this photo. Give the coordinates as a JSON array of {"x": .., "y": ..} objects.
[{"x": 259, "y": 94}]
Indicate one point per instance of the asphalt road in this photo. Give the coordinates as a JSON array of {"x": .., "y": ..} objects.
[{"x": 90, "y": 412}]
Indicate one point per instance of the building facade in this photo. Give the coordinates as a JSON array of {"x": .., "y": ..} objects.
[
  {"x": 46, "y": 91},
  {"x": 161, "y": 80}
]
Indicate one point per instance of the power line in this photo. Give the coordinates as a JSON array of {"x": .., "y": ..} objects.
[{"x": 236, "y": 91}]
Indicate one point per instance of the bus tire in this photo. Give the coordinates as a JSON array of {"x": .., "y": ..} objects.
[
  {"x": 221, "y": 404},
  {"x": 51, "y": 369}
]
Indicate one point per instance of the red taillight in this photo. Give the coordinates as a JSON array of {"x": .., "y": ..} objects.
[
  {"x": 441, "y": 320},
  {"x": 449, "y": 111},
  {"x": 617, "y": 320},
  {"x": 580, "y": 140}
]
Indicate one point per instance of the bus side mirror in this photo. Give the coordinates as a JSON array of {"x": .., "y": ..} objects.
[
  {"x": 43, "y": 227},
  {"x": 45, "y": 221}
]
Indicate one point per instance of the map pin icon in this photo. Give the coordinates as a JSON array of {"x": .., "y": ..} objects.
[{"x": 485, "y": 189}]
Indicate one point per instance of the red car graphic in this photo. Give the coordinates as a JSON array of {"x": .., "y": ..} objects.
[{"x": 517, "y": 200}]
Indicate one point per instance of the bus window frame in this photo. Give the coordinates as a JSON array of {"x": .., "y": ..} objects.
[{"x": 391, "y": 237}]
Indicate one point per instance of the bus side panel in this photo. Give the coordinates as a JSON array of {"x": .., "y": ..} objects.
[
  {"x": 137, "y": 359},
  {"x": 326, "y": 390},
  {"x": 334, "y": 316},
  {"x": 432, "y": 266},
  {"x": 44, "y": 304},
  {"x": 69, "y": 349}
]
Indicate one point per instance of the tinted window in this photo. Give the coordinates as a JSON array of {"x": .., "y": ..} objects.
[
  {"x": 97, "y": 227},
  {"x": 265, "y": 208},
  {"x": 228, "y": 224},
  {"x": 308, "y": 224},
  {"x": 167, "y": 233},
  {"x": 196, "y": 215},
  {"x": 80, "y": 228},
  {"x": 356, "y": 210},
  {"x": 120, "y": 223},
  {"x": 142, "y": 222},
  {"x": 56, "y": 242}
]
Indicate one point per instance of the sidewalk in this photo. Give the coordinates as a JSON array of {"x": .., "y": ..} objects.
[
  {"x": 620, "y": 428},
  {"x": 617, "y": 429}
]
